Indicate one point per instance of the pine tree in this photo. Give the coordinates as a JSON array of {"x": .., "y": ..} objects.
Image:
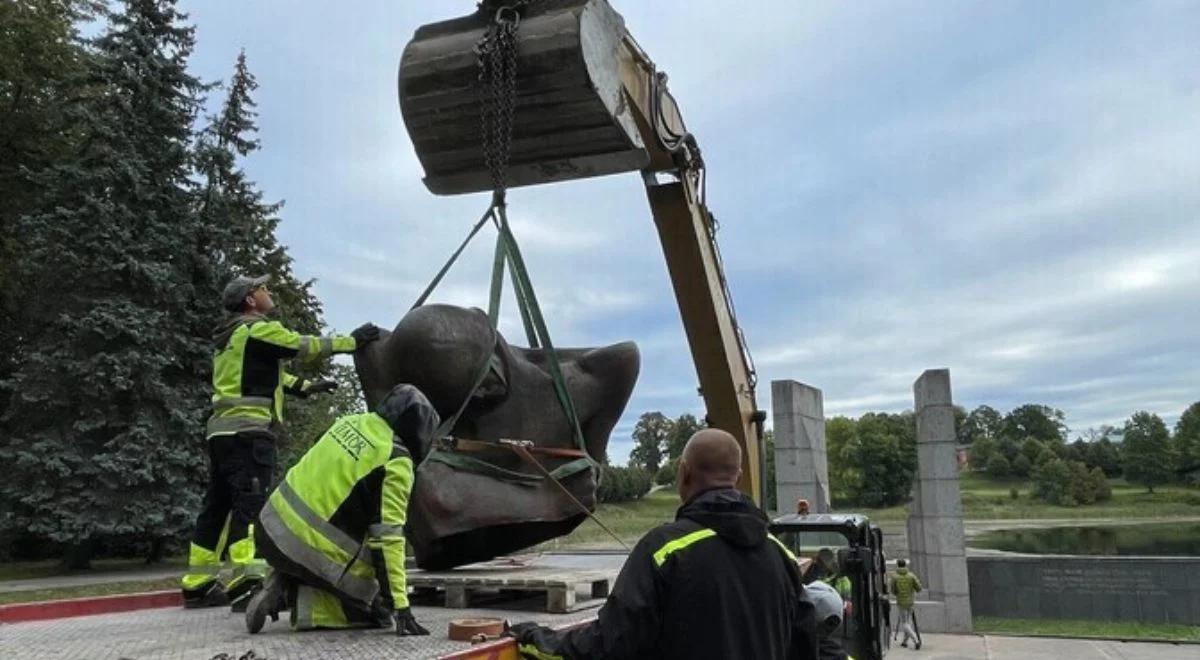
[
  {"x": 110, "y": 398},
  {"x": 232, "y": 204},
  {"x": 39, "y": 52}
]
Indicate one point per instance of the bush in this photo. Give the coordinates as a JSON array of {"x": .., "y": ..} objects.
[
  {"x": 1022, "y": 466},
  {"x": 1052, "y": 481},
  {"x": 622, "y": 484},
  {"x": 998, "y": 466},
  {"x": 666, "y": 473},
  {"x": 1013, "y": 493}
]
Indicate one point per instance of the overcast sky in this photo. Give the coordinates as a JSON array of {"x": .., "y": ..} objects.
[{"x": 1009, "y": 190}]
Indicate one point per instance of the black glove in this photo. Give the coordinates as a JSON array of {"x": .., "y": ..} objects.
[
  {"x": 522, "y": 632},
  {"x": 406, "y": 623},
  {"x": 364, "y": 334},
  {"x": 321, "y": 386}
]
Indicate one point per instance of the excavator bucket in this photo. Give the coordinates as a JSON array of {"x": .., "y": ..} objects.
[{"x": 571, "y": 117}]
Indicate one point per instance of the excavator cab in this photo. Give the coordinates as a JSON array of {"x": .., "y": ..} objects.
[{"x": 832, "y": 546}]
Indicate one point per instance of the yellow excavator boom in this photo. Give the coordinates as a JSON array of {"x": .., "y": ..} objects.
[{"x": 587, "y": 102}]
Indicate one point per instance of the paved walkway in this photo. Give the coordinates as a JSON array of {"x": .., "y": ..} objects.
[{"x": 202, "y": 634}]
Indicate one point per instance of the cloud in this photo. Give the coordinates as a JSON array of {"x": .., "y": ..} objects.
[{"x": 1007, "y": 190}]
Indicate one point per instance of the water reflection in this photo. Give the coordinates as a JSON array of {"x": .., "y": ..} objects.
[{"x": 1156, "y": 540}]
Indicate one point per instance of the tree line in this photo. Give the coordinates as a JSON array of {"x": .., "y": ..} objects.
[
  {"x": 873, "y": 459},
  {"x": 124, "y": 209}
]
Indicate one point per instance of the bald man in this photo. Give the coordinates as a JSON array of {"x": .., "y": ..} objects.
[{"x": 712, "y": 584}]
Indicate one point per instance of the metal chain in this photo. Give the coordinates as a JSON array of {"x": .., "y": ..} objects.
[{"x": 497, "y": 57}]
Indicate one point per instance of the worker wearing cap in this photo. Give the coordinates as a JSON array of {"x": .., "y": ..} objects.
[
  {"x": 712, "y": 584},
  {"x": 333, "y": 531},
  {"x": 828, "y": 605},
  {"x": 249, "y": 382}
]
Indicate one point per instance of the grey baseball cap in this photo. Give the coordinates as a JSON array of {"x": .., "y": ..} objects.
[
  {"x": 825, "y": 600},
  {"x": 238, "y": 288}
]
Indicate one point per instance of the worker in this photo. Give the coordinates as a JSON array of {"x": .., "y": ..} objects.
[
  {"x": 905, "y": 585},
  {"x": 248, "y": 387},
  {"x": 825, "y": 568},
  {"x": 711, "y": 584},
  {"x": 333, "y": 531},
  {"x": 827, "y": 607}
]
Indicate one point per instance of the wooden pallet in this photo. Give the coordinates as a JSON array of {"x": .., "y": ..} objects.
[{"x": 475, "y": 582}]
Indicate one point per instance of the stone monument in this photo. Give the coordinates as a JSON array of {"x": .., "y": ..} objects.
[
  {"x": 935, "y": 527},
  {"x": 801, "y": 466}
]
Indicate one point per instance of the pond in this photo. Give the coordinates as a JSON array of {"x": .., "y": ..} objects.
[{"x": 1153, "y": 540}]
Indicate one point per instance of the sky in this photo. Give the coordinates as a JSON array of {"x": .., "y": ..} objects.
[{"x": 1007, "y": 190}]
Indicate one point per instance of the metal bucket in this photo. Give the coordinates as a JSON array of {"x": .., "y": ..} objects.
[{"x": 571, "y": 118}]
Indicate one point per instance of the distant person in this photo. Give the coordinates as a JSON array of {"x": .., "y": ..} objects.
[
  {"x": 828, "y": 607},
  {"x": 906, "y": 586},
  {"x": 249, "y": 382},
  {"x": 333, "y": 531},
  {"x": 712, "y": 584}
]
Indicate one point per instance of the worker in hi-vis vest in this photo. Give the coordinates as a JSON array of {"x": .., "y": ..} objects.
[
  {"x": 249, "y": 382},
  {"x": 333, "y": 531}
]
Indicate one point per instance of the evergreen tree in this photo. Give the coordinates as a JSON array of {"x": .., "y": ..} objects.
[
  {"x": 110, "y": 398},
  {"x": 245, "y": 225},
  {"x": 1149, "y": 459},
  {"x": 39, "y": 54}
]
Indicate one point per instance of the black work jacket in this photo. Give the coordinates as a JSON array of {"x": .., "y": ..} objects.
[{"x": 712, "y": 584}]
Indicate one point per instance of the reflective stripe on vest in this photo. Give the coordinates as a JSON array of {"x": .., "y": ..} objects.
[
  {"x": 230, "y": 425},
  {"x": 680, "y": 543},
  {"x": 339, "y": 576},
  {"x": 310, "y": 518}
]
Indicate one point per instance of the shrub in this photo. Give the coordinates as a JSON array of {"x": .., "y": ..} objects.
[
  {"x": 1021, "y": 466},
  {"x": 998, "y": 466},
  {"x": 1013, "y": 493},
  {"x": 666, "y": 473},
  {"x": 622, "y": 484},
  {"x": 1052, "y": 481}
]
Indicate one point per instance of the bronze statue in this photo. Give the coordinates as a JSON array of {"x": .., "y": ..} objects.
[{"x": 473, "y": 501}]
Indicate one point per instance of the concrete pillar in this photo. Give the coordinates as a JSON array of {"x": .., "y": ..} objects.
[
  {"x": 935, "y": 527},
  {"x": 801, "y": 466}
]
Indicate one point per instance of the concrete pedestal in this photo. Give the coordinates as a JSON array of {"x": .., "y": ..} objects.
[
  {"x": 801, "y": 466},
  {"x": 937, "y": 547}
]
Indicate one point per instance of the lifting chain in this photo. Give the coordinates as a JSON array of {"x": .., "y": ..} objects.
[{"x": 496, "y": 54}]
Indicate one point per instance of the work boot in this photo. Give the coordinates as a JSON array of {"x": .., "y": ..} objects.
[
  {"x": 270, "y": 600},
  {"x": 209, "y": 595},
  {"x": 240, "y": 595}
]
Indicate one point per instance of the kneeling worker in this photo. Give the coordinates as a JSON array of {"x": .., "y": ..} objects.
[{"x": 333, "y": 531}]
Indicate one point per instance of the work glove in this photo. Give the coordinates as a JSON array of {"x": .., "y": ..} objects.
[
  {"x": 364, "y": 334},
  {"x": 321, "y": 386},
  {"x": 522, "y": 632},
  {"x": 406, "y": 623}
]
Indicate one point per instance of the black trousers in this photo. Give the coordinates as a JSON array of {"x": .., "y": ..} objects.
[{"x": 241, "y": 468}]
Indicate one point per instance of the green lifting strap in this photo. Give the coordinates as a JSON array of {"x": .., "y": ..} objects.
[{"x": 508, "y": 254}]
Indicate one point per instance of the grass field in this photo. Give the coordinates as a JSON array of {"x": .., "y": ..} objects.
[
  {"x": 133, "y": 587},
  {"x": 984, "y": 498},
  {"x": 23, "y": 570},
  {"x": 1105, "y": 629}
]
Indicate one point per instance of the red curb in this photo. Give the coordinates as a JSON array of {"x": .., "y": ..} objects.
[{"x": 70, "y": 607}]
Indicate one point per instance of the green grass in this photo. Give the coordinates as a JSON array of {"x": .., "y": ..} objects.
[
  {"x": 629, "y": 520},
  {"x": 22, "y": 570},
  {"x": 1072, "y": 628},
  {"x": 984, "y": 498},
  {"x": 133, "y": 587}
]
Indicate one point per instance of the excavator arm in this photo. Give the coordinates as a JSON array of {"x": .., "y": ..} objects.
[{"x": 588, "y": 101}]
